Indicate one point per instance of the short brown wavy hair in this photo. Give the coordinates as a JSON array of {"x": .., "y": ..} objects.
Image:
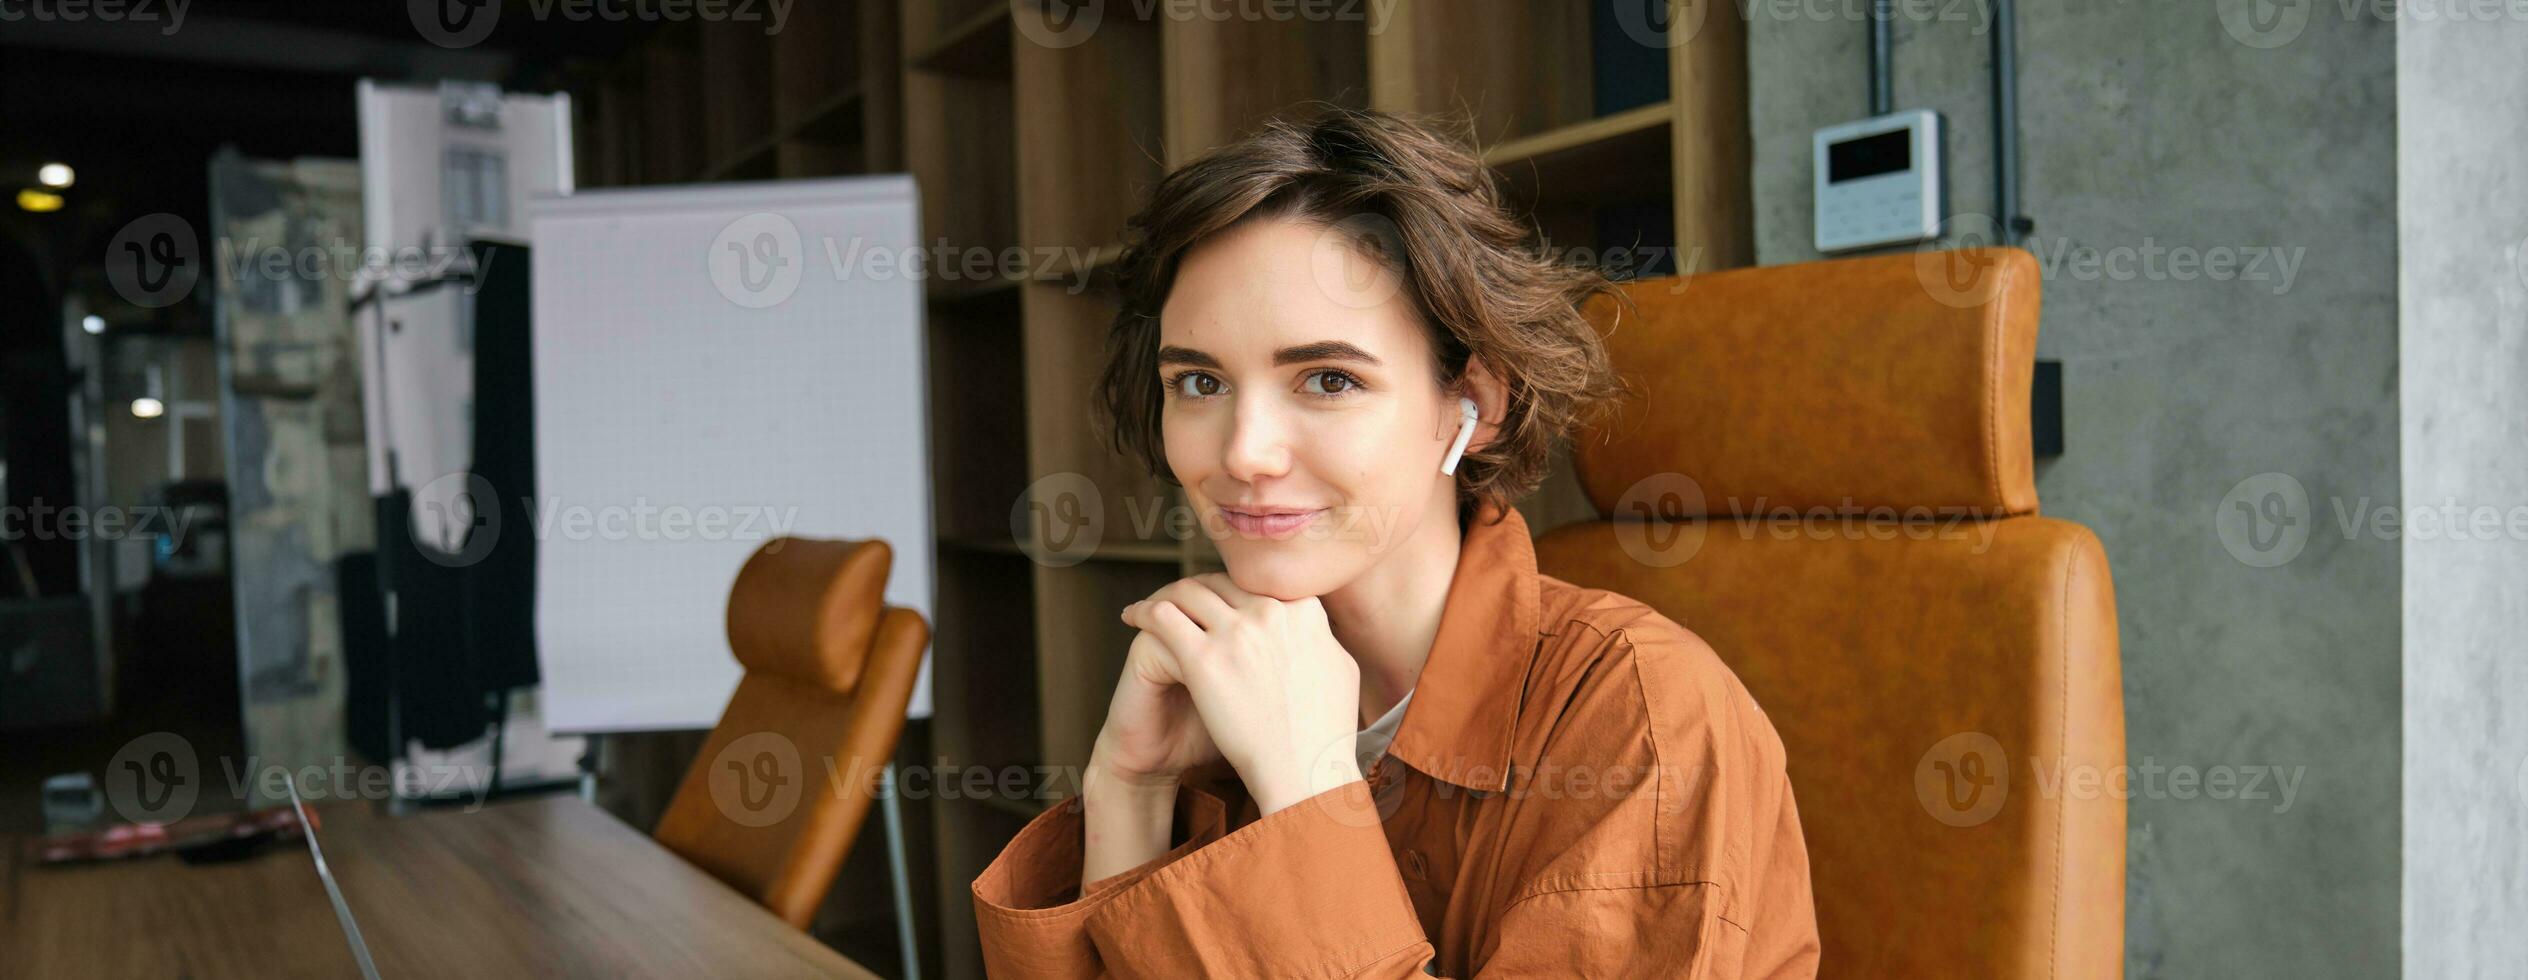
[{"x": 1422, "y": 203}]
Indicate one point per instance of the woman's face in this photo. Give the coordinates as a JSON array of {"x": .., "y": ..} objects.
[{"x": 1298, "y": 378}]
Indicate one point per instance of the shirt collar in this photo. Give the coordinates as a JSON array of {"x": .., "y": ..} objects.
[{"x": 1465, "y": 704}]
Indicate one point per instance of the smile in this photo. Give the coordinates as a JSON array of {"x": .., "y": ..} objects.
[{"x": 1275, "y": 526}]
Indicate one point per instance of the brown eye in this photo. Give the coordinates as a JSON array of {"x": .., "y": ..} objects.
[
  {"x": 1332, "y": 383},
  {"x": 1204, "y": 385}
]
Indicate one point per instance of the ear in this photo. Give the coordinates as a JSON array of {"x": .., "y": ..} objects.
[{"x": 1492, "y": 402}]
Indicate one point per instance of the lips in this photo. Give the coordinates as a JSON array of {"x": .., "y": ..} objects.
[{"x": 1272, "y": 522}]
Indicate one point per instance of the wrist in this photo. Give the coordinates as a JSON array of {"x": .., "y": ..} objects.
[
  {"x": 1291, "y": 780},
  {"x": 1105, "y": 783},
  {"x": 1126, "y": 820}
]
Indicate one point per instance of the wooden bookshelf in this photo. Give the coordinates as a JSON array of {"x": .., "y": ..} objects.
[
  {"x": 717, "y": 101},
  {"x": 1047, "y": 149}
]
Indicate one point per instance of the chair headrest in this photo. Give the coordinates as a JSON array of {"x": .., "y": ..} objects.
[
  {"x": 1896, "y": 381},
  {"x": 807, "y": 609}
]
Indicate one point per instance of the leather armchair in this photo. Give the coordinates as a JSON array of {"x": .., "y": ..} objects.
[
  {"x": 1829, "y": 478},
  {"x": 778, "y": 793}
]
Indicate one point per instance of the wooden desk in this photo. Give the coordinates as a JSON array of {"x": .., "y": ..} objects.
[{"x": 546, "y": 886}]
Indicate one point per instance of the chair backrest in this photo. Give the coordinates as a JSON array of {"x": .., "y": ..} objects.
[
  {"x": 1829, "y": 478},
  {"x": 778, "y": 793}
]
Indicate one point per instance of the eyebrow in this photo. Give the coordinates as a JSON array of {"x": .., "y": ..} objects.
[{"x": 1323, "y": 350}]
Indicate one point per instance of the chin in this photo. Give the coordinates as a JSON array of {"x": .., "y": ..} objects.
[{"x": 1280, "y": 569}]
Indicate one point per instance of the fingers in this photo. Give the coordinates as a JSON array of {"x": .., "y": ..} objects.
[
  {"x": 1156, "y": 662},
  {"x": 1202, "y": 603},
  {"x": 1196, "y": 600},
  {"x": 1172, "y": 627}
]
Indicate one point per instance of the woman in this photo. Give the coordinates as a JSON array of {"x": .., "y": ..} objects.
[{"x": 1382, "y": 744}]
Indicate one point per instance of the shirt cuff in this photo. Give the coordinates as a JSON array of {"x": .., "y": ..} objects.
[
  {"x": 1030, "y": 909},
  {"x": 1311, "y": 889}
]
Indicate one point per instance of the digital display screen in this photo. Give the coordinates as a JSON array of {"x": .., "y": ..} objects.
[{"x": 1870, "y": 156}]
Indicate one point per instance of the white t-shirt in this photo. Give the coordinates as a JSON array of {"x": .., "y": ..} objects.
[{"x": 1372, "y": 742}]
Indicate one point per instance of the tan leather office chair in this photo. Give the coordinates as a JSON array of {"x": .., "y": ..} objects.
[
  {"x": 1946, "y": 689},
  {"x": 773, "y": 801}
]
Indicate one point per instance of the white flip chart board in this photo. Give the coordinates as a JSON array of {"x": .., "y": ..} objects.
[{"x": 715, "y": 366}]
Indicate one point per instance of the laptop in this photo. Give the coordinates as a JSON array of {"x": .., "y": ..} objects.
[{"x": 333, "y": 892}]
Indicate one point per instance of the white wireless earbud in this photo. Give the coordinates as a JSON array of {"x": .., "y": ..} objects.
[{"x": 1466, "y": 408}]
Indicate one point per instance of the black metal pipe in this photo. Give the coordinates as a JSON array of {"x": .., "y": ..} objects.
[
  {"x": 2006, "y": 125},
  {"x": 1882, "y": 57}
]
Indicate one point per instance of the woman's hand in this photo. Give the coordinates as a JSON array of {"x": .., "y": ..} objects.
[
  {"x": 1151, "y": 736},
  {"x": 1278, "y": 694},
  {"x": 1152, "y": 733}
]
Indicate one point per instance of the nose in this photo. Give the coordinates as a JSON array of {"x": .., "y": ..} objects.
[{"x": 1258, "y": 443}]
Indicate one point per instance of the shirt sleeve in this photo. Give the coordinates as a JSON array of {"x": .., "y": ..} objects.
[
  {"x": 1309, "y": 889},
  {"x": 1030, "y": 907},
  {"x": 1312, "y": 890},
  {"x": 1783, "y": 912}
]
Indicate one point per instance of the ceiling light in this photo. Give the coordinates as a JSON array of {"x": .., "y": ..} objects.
[
  {"x": 148, "y": 408},
  {"x": 39, "y": 201},
  {"x": 55, "y": 174},
  {"x": 92, "y": 323}
]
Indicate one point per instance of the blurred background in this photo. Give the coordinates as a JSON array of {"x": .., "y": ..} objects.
[{"x": 2280, "y": 372}]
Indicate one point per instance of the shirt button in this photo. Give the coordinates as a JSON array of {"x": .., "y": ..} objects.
[{"x": 1415, "y": 867}]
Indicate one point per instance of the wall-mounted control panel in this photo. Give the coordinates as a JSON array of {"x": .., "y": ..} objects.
[{"x": 1878, "y": 181}]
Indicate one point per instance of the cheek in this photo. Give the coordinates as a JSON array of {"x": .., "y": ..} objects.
[
  {"x": 1363, "y": 447},
  {"x": 1193, "y": 449}
]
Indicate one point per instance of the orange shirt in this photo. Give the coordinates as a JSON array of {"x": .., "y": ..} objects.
[{"x": 1579, "y": 788}]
